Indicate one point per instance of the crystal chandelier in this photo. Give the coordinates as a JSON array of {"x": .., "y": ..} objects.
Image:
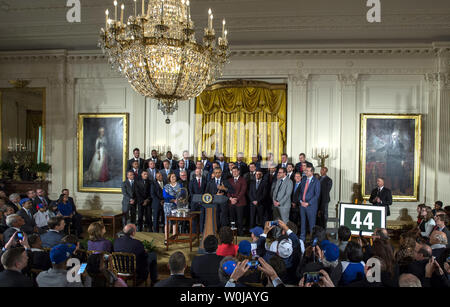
[{"x": 157, "y": 51}]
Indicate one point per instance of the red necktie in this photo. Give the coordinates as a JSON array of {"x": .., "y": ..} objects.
[
  {"x": 306, "y": 189},
  {"x": 199, "y": 184}
]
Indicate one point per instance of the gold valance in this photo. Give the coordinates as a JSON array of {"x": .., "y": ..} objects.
[{"x": 242, "y": 116}]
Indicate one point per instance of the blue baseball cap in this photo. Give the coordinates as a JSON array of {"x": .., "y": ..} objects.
[
  {"x": 324, "y": 243},
  {"x": 257, "y": 231},
  {"x": 229, "y": 266},
  {"x": 24, "y": 200},
  {"x": 245, "y": 248},
  {"x": 61, "y": 252},
  {"x": 331, "y": 252}
]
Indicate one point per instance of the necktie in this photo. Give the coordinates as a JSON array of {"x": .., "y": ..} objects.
[
  {"x": 235, "y": 180},
  {"x": 131, "y": 182},
  {"x": 186, "y": 163},
  {"x": 296, "y": 186},
  {"x": 161, "y": 184},
  {"x": 279, "y": 188},
  {"x": 217, "y": 182},
  {"x": 43, "y": 201},
  {"x": 199, "y": 183},
  {"x": 306, "y": 189},
  {"x": 257, "y": 184}
]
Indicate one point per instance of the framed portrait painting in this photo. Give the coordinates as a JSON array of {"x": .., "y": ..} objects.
[
  {"x": 390, "y": 148},
  {"x": 102, "y": 152}
]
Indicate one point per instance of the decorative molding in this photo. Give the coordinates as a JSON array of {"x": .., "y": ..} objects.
[
  {"x": 300, "y": 79},
  {"x": 348, "y": 79},
  {"x": 438, "y": 79}
]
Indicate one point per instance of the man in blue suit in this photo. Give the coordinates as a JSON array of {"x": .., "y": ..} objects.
[{"x": 309, "y": 198}]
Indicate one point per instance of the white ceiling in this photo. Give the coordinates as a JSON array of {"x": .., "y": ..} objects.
[{"x": 41, "y": 24}]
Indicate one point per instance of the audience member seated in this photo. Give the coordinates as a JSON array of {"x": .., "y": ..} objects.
[
  {"x": 14, "y": 260},
  {"x": 41, "y": 217},
  {"x": 66, "y": 209},
  {"x": 100, "y": 275},
  {"x": 353, "y": 265},
  {"x": 54, "y": 235},
  {"x": 255, "y": 233},
  {"x": 427, "y": 223},
  {"x": 177, "y": 266},
  {"x": 145, "y": 263},
  {"x": 14, "y": 202},
  {"x": 40, "y": 259},
  {"x": 383, "y": 250},
  {"x": 286, "y": 245},
  {"x": 97, "y": 242},
  {"x": 57, "y": 275},
  {"x": 15, "y": 223},
  {"x": 27, "y": 214},
  {"x": 204, "y": 268},
  {"x": 4, "y": 213},
  {"x": 441, "y": 220},
  {"x": 227, "y": 247},
  {"x": 409, "y": 281},
  {"x": 344, "y": 235},
  {"x": 438, "y": 242},
  {"x": 252, "y": 276}
]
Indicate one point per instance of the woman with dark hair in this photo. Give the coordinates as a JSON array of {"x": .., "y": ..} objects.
[
  {"x": 353, "y": 266},
  {"x": 427, "y": 223},
  {"x": 382, "y": 250},
  {"x": 101, "y": 276},
  {"x": 419, "y": 211},
  {"x": 226, "y": 248}
]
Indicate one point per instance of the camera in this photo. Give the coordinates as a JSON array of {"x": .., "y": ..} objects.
[
  {"x": 314, "y": 242},
  {"x": 274, "y": 223},
  {"x": 312, "y": 277},
  {"x": 253, "y": 264}
]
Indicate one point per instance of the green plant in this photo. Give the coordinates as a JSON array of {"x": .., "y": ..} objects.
[
  {"x": 6, "y": 166},
  {"x": 41, "y": 167},
  {"x": 149, "y": 246}
]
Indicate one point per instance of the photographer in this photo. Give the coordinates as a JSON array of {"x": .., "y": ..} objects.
[{"x": 287, "y": 246}]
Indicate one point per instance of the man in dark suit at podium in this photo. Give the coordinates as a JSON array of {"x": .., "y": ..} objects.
[
  {"x": 381, "y": 196},
  {"x": 197, "y": 185},
  {"x": 222, "y": 187},
  {"x": 136, "y": 157}
]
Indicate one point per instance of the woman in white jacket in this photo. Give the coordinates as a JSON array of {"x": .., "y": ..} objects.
[{"x": 427, "y": 224}]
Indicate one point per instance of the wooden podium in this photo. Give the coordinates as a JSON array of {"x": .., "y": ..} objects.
[{"x": 210, "y": 214}]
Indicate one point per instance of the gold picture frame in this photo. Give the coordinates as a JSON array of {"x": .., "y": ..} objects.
[
  {"x": 390, "y": 147},
  {"x": 102, "y": 151}
]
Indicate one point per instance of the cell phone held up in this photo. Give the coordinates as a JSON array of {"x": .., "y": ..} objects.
[
  {"x": 273, "y": 223},
  {"x": 311, "y": 277},
  {"x": 20, "y": 236}
]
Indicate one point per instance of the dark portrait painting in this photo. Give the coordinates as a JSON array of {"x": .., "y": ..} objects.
[
  {"x": 390, "y": 148},
  {"x": 102, "y": 152}
]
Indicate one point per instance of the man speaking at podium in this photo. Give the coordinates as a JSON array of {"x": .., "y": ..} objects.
[
  {"x": 381, "y": 196},
  {"x": 222, "y": 187}
]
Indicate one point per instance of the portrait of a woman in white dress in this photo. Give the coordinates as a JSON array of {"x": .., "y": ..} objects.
[{"x": 98, "y": 168}]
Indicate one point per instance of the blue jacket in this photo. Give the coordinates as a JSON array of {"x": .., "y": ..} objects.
[
  {"x": 51, "y": 238},
  {"x": 312, "y": 194}
]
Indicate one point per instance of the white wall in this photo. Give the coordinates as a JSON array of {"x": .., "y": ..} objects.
[{"x": 328, "y": 89}]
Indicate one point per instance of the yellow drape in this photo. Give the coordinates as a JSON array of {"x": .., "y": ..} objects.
[{"x": 248, "y": 119}]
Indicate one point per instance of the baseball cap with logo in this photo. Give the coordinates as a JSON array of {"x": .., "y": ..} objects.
[
  {"x": 245, "y": 248},
  {"x": 24, "y": 200},
  {"x": 61, "y": 252},
  {"x": 283, "y": 248},
  {"x": 229, "y": 266}
]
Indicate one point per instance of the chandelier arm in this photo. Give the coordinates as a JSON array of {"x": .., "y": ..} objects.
[
  {"x": 183, "y": 62},
  {"x": 148, "y": 75}
]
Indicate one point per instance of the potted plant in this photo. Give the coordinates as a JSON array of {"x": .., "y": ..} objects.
[
  {"x": 41, "y": 169},
  {"x": 149, "y": 246}
]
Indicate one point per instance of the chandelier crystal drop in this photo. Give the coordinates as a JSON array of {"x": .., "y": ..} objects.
[{"x": 158, "y": 53}]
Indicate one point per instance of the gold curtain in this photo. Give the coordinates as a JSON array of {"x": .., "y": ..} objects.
[
  {"x": 241, "y": 116},
  {"x": 33, "y": 122}
]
